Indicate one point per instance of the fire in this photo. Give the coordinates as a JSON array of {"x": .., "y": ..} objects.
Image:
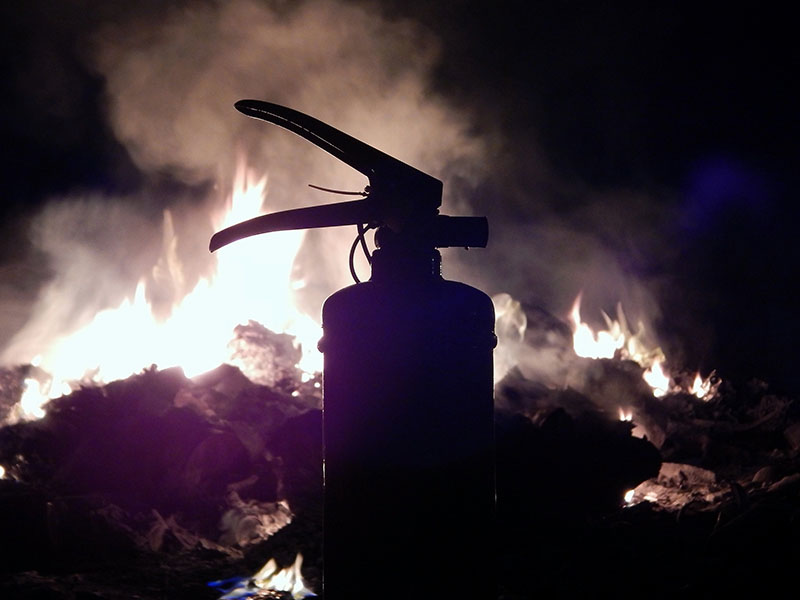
[
  {"x": 619, "y": 341},
  {"x": 252, "y": 282},
  {"x": 657, "y": 379},
  {"x": 705, "y": 389},
  {"x": 589, "y": 344},
  {"x": 285, "y": 580},
  {"x": 268, "y": 578}
]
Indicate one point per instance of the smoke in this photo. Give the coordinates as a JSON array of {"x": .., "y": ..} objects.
[
  {"x": 95, "y": 248},
  {"x": 170, "y": 78},
  {"x": 171, "y": 83}
]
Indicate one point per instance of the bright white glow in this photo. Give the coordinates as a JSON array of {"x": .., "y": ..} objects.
[
  {"x": 625, "y": 415},
  {"x": 589, "y": 344},
  {"x": 701, "y": 387},
  {"x": 2, "y": 472},
  {"x": 285, "y": 580},
  {"x": 629, "y": 497},
  {"x": 657, "y": 379},
  {"x": 618, "y": 340},
  {"x": 34, "y": 394}
]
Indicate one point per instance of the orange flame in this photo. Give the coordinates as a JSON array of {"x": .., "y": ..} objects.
[
  {"x": 589, "y": 344},
  {"x": 252, "y": 282},
  {"x": 657, "y": 379},
  {"x": 286, "y": 580},
  {"x": 619, "y": 341}
]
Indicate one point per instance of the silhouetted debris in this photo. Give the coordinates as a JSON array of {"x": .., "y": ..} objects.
[
  {"x": 566, "y": 466},
  {"x": 153, "y": 486}
]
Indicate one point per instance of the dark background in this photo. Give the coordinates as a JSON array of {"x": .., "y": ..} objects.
[{"x": 691, "y": 111}]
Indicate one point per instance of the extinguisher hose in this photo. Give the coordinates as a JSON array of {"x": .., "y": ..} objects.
[{"x": 360, "y": 239}]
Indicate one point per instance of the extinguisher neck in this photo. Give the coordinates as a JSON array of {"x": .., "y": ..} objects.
[{"x": 406, "y": 264}]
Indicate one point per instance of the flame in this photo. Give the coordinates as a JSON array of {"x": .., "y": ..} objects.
[
  {"x": 30, "y": 403},
  {"x": 286, "y": 580},
  {"x": 268, "y": 578},
  {"x": 252, "y": 282},
  {"x": 619, "y": 341},
  {"x": 657, "y": 379},
  {"x": 589, "y": 344},
  {"x": 705, "y": 389},
  {"x": 625, "y": 415}
]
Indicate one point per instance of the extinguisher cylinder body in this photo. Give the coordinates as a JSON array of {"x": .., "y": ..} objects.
[{"x": 408, "y": 441}]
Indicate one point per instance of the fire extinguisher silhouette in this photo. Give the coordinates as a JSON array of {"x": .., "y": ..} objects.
[{"x": 407, "y": 386}]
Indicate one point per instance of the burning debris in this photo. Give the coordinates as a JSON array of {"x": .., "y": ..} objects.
[
  {"x": 266, "y": 582},
  {"x": 193, "y": 332},
  {"x": 198, "y": 478},
  {"x": 221, "y": 473},
  {"x": 730, "y": 458},
  {"x": 158, "y": 465},
  {"x": 214, "y": 474}
]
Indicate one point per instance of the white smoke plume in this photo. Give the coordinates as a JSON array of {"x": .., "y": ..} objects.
[{"x": 171, "y": 76}]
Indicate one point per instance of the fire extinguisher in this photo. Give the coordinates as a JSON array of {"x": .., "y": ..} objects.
[{"x": 407, "y": 386}]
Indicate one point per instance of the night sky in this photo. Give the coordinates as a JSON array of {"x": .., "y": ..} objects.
[{"x": 666, "y": 136}]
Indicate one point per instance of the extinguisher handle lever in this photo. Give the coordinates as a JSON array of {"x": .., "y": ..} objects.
[{"x": 392, "y": 182}]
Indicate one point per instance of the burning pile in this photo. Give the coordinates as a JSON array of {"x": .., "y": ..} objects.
[
  {"x": 252, "y": 281},
  {"x": 157, "y": 464},
  {"x": 160, "y": 465},
  {"x": 718, "y": 516},
  {"x": 212, "y": 475}
]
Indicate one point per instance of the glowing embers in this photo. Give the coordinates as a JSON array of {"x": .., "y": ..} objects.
[
  {"x": 268, "y": 578},
  {"x": 252, "y": 282}
]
